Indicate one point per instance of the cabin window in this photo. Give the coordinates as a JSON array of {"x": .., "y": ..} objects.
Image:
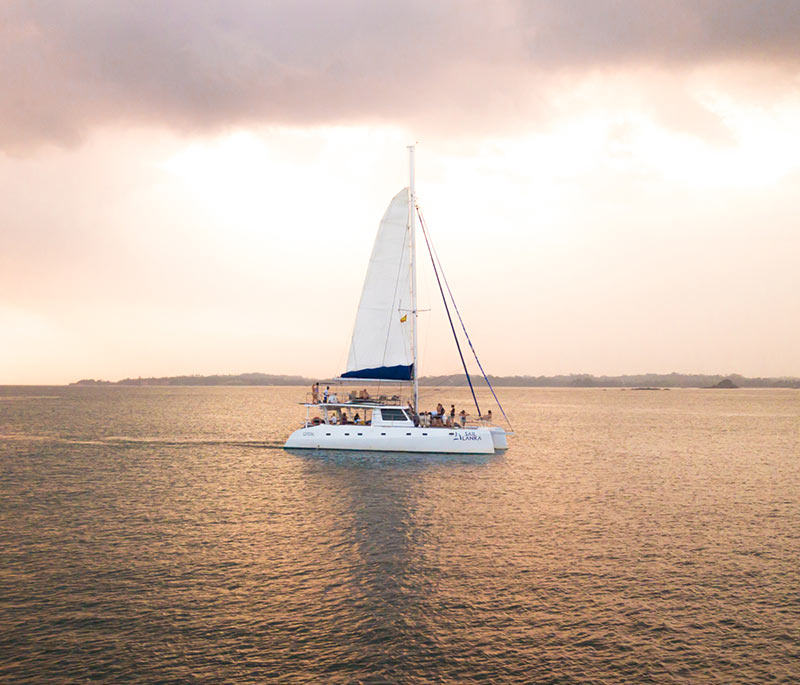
[
  {"x": 383, "y": 433},
  {"x": 393, "y": 415}
]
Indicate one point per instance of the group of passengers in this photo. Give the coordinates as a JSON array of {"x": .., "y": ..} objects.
[
  {"x": 341, "y": 418},
  {"x": 327, "y": 396},
  {"x": 440, "y": 418},
  {"x": 331, "y": 398}
]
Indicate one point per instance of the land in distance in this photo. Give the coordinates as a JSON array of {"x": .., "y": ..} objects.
[{"x": 647, "y": 380}]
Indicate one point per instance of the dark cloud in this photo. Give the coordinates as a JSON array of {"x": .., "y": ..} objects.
[
  {"x": 69, "y": 66},
  {"x": 671, "y": 33}
]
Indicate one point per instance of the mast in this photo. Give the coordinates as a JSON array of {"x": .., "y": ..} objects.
[{"x": 412, "y": 203}]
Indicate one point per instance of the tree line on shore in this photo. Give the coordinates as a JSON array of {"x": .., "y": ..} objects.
[{"x": 670, "y": 380}]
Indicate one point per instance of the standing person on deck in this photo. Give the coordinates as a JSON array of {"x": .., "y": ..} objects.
[
  {"x": 326, "y": 393},
  {"x": 315, "y": 393},
  {"x": 452, "y": 415}
]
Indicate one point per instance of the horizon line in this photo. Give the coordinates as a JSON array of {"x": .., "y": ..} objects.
[{"x": 301, "y": 379}]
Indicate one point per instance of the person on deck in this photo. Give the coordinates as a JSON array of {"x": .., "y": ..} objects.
[
  {"x": 326, "y": 393},
  {"x": 315, "y": 393},
  {"x": 463, "y": 418},
  {"x": 363, "y": 395},
  {"x": 452, "y": 414},
  {"x": 489, "y": 416},
  {"x": 357, "y": 418}
]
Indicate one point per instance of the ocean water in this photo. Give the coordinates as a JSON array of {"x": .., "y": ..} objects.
[{"x": 162, "y": 535}]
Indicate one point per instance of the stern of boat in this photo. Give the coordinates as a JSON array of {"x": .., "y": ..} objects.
[{"x": 499, "y": 438}]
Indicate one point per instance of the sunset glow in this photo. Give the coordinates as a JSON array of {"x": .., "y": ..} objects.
[{"x": 604, "y": 206}]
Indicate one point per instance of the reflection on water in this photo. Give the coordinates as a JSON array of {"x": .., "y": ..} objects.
[
  {"x": 161, "y": 534},
  {"x": 385, "y": 460}
]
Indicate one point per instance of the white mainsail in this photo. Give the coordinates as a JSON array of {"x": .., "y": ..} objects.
[{"x": 381, "y": 348}]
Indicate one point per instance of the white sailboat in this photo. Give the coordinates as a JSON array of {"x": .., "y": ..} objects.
[{"x": 384, "y": 350}]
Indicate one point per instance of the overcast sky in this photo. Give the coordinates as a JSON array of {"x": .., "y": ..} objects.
[{"x": 194, "y": 187}]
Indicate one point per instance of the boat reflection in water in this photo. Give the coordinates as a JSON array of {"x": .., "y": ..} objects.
[{"x": 367, "y": 458}]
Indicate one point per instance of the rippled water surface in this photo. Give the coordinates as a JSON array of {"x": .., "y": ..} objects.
[{"x": 162, "y": 535}]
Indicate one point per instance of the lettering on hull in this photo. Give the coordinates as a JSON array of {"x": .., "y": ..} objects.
[{"x": 467, "y": 435}]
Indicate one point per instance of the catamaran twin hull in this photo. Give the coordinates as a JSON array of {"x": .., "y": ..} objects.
[
  {"x": 384, "y": 349},
  {"x": 400, "y": 439}
]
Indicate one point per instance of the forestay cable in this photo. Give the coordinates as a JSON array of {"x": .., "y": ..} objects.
[
  {"x": 447, "y": 309},
  {"x": 432, "y": 251}
]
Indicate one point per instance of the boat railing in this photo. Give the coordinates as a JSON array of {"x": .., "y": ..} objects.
[
  {"x": 457, "y": 425},
  {"x": 354, "y": 398},
  {"x": 433, "y": 420}
]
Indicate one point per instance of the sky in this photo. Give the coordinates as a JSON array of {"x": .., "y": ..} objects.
[{"x": 194, "y": 187}]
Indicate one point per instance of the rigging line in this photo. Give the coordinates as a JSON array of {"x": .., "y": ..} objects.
[
  {"x": 458, "y": 313},
  {"x": 447, "y": 309}
]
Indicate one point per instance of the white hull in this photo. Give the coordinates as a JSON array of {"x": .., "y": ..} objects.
[
  {"x": 499, "y": 438},
  {"x": 399, "y": 439}
]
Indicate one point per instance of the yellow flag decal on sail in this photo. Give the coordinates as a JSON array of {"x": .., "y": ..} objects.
[{"x": 403, "y": 318}]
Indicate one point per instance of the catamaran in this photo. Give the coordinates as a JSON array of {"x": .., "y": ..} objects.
[{"x": 384, "y": 350}]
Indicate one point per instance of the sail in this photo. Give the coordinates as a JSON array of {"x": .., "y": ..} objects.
[{"x": 381, "y": 345}]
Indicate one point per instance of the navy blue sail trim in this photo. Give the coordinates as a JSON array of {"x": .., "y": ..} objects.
[
  {"x": 463, "y": 327},
  {"x": 400, "y": 372},
  {"x": 447, "y": 309}
]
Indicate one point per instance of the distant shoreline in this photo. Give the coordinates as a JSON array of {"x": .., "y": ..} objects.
[{"x": 650, "y": 380}]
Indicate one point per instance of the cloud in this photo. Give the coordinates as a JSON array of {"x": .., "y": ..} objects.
[
  {"x": 590, "y": 33},
  {"x": 69, "y": 67}
]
